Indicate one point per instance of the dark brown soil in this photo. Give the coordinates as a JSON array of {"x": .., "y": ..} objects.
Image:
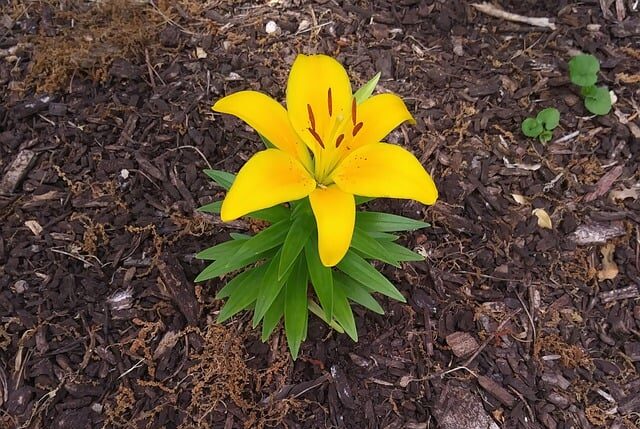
[{"x": 105, "y": 126}]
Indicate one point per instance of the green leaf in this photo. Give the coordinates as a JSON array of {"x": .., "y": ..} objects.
[
  {"x": 273, "y": 316},
  {"x": 383, "y": 236},
  {"x": 224, "y": 250},
  {"x": 385, "y": 222},
  {"x": 295, "y": 307},
  {"x": 266, "y": 142},
  {"x": 549, "y": 118},
  {"x": 213, "y": 207},
  {"x": 531, "y": 127},
  {"x": 321, "y": 277},
  {"x": 366, "y": 90},
  {"x": 297, "y": 237},
  {"x": 356, "y": 293},
  {"x": 361, "y": 200},
  {"x": 222, "y": 178},
  {"x": 270, "y": 286},
  {"x": 315, "y": 309},
  {"x": 266, "y": 239},
  {"x": 600, "y": 102},
  {"x": 583, "y": 69},
  {"x": 241, "y": 295},
  {"x": 273, "y": 214},
  {"x": 400, "y": 253},
  {"x": 589, "y": 91},
  {"x": 343, "y": 314},
  {"x": 250, "y": 274},
  {"x": 239, "y": 236},
  {"x": 370, "y": 247},
  {"x": 545, "y": 136},
  {"x": 225, "y": 266},
  {"x": 360, "y": 270}
]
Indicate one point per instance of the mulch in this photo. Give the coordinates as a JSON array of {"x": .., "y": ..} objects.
[{"x": 105, "y": 126}]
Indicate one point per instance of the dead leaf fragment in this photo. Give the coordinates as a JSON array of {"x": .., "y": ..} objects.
[
  {"x": 609, "y": 269},
  {"x": 200, "y": 53},
  {"x": 544, "y": 221},
  {"x": 34, "y": 226},
  {"x": 519, "y": 199},
  {"x": 528, "y": 167},
  {"x": 624, "y": 193}
]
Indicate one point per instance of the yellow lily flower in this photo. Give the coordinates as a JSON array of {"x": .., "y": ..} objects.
[{"x": 327, "y": 147}]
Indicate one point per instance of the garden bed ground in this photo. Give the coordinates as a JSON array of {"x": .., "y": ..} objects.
[{"x": 105, "y": 126}]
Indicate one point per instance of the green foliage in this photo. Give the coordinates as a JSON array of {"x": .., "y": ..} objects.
[
  {"x": 542, "y": 125},
  {"x": 598, "y": 101},
  {"x": 583, "y": 72},
  {"x": 269, "y": 273},
  {"x": 367, "y": 89}
]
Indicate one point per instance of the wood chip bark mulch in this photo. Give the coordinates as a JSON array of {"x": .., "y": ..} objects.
[{"x": 105, "y": 126}]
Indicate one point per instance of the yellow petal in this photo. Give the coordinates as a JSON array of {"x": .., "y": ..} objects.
[
  {"x": 318, "y": 98},
  {"x": 270, "y": 177},
  {"x": 335, "y": 213},
  {"x": 385, "y": 170},
  {"x": 379, "y": 115},
  {"x": 267, "y": 117}
]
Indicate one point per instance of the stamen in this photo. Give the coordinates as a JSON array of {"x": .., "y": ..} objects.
[
  {"x": 357, "y": 129},
  {"x": 339, "y": 140},
  {"x": 312, "y": 119},
  {"x": 353, "y": 112},
  {"x": 316, "y": 136},
  {"x": 330, "y": 102}
]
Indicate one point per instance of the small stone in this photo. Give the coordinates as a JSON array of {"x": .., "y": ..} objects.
[
  {"x": 20, "y": 286},
  {"x": 124, "y": 173},
  {"x": 271, "y": 27},
  {"x": 97, "y": 407},
  {"x": 462, "y": 343}
]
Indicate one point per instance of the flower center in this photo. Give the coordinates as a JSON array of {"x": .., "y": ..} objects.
[{"x": 330, "y": 131}]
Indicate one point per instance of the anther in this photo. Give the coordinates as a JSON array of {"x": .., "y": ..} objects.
[
  {"x": 330, "y": 102},
  {"x": 312, "y": 119},
  {"x": 316, "y": 136},
  {"x": 357, "y": 129},
  {"x": 339, "y": 140},
  {"x": 353, "y": 112}
]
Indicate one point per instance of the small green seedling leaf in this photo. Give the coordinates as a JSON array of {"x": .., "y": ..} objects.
[
  {"x": 366, "y": 90},
  {"x": 583, "y": 70},
  {"x": 531, "y": 127},
  {"x": 545, "y": 136},
  {"x": 600, "y": 102},
  {"x": 588, "y": 91},
  {"x": 549, "y": 118}
]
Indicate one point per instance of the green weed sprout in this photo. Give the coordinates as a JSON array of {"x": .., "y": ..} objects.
[
  {"x": 542, "y": 125},
  {"x": 583, "y": 72}
]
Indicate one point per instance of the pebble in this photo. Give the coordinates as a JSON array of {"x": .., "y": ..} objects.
[{"x": 271, "y": 27}]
